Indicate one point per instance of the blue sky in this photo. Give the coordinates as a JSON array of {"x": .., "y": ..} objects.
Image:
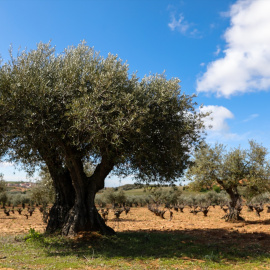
[{"x": 219, "y": 49}]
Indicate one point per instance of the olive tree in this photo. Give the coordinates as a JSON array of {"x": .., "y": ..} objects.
[
  {"x": 76, "y": 107},
  {"x": 3, "y": 185},
  {"x": 3, "y": 194},
  {"x": 232, "y": 169},
  {"x": 43, "y": 191},
  {"x": 114, "y": 197}
]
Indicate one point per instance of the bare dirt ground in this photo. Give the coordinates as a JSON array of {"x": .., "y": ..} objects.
[
  {"x": 208, "y": 230},
  {"x": 205, "y": 229}
]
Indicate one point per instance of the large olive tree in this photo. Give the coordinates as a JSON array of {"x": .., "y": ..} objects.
[
  {"x": 231, "y": 170},
  {"x": 76, "y": 107}
]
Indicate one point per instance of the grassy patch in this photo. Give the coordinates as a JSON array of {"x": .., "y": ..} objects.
[
  {"x": 133, "y": 250},
  {"x": 136, "y": 192}
]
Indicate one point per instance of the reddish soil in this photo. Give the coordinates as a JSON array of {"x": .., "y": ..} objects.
[
  {"x": 206, "y": 229},
  {"x": 142, "y": 219},
  {"x": 19, "y": 224}
]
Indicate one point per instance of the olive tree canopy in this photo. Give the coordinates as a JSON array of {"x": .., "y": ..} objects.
[{"x": 67, "y": 109}]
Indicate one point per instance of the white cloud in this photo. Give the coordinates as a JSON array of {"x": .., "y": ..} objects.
[
  {"x": 6, "y": 164},
  {"x": 217, "y": 118},
  {"x": 217, "y": 51},
  {"x": 245, "y": 66},
  {"x": 220, "y": 130},
  {"x": 183, "y": 26},
  {"x": 178, "y": 24},
  {"x": 251, "y": 117}
]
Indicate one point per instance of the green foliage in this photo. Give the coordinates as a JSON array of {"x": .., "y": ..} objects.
[
  {"x": 114, "y": 197},
  {"x": 157, "y": 195},
  {"x": 121, "y": 197},
  {"x": 202, "y": 200},
  {"x": 43, "y": 192},
  {"x": 142, "y": 200},
  {"x": 3, "y": 188},
  {"x": 100, "y": 200},
  {"x": 217, "y": 198},
  {"x": 168, "y": 195},
  {"x": 231, "y": 169},
  {"x": 110, "y": 196},
  {"x": 131, "y": 186},
  {"x": 3, "y": 185},
  {"x": 19, "y": 198},
  {"x": 78, "y": 103},
  {"x": 172, "y": 195},
  {"x": 76, "y": 107},
  {"x": 3, "y": 198},
  {"x": 138, "y": 200},
  {"x": 216, "y": 188},
  {"x": 32, "y": 235},
  {"x": 261, "y": 198}
]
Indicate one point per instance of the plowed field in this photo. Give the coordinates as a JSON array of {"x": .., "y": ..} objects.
[{"x": 206, "y": 229}]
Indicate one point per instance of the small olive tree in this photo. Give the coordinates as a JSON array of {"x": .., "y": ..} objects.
[
  {"x": 115, "y": 197},
  {"x": 43, "y": 192},
  {"x": 3, "y": 187},
  {"x": 232, "y": 169}
]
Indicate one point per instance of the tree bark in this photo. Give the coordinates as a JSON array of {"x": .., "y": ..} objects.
[
  {"x": 64, "y": 201},
  {"x": 64, "y": 190},
  {"x": 234, "y": 212},
  {"x": 83, "y": 216}
]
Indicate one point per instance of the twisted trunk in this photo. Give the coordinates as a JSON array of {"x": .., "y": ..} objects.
[
  {"x": 235, "y": 203},
  {"x": 64, "y": 201},
  {"x": 83, "y": 216},
  {"x": 235, "y": 206},
  {"x": 64, "y": 191}
]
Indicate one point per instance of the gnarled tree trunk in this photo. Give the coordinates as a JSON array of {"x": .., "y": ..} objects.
[
  {"x": 235, "y": 206},
  {"x": 83, "y": 216},
  {"x": 64, "y": 190},
  {"x": 64, "y": 201}
]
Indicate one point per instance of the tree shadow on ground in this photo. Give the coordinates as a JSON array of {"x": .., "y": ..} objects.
[
  {"x": 262, "y": 222},
  {"x": 214, "y": 244}
]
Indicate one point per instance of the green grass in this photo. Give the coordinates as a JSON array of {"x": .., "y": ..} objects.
[
  {"x": 133, "y": 250},
  {"x": 141, "y": 191},
  {"x": 136, "y": 192}
]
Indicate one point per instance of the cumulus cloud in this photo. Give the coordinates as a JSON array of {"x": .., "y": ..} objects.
[
  {"x": 217, "y": 118},
  {"x": 218, "y": 128},
  {"x": 245, "y": 66}
]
